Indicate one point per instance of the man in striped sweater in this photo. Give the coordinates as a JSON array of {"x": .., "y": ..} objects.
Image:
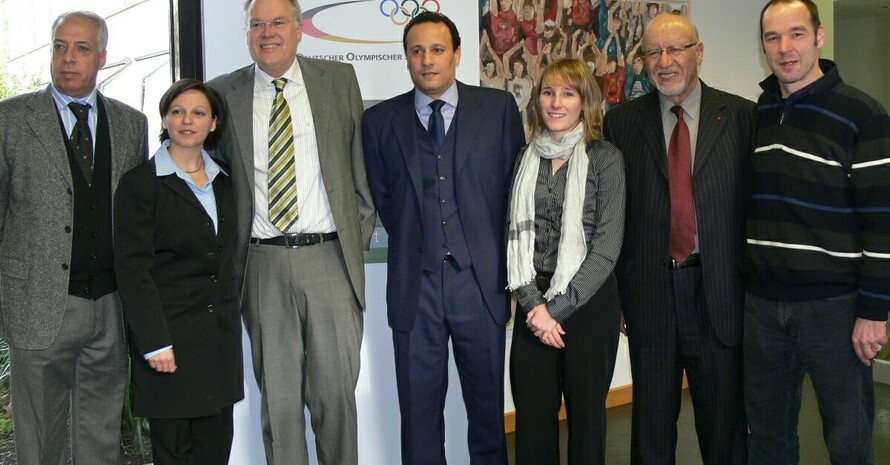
[{"x": 818, "y": 246}]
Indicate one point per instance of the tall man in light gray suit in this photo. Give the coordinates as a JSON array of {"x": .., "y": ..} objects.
[
  {"x": 297, "y": 121},
  {"x": 59, "y": 307}
]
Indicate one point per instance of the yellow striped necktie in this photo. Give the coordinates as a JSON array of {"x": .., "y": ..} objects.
[{"x": 283, "y": 210}]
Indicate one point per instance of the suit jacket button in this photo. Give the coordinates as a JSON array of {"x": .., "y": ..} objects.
[
  {"x": 210, "y": 308},
  {"x": 67, "y": 229},
  {"x": 69, "y": 191},
  {"x": 64, "y": 266},
  {"x": 214, "y": 279}
]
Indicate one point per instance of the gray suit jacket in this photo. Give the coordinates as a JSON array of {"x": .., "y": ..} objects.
[
  {"x": 37, "y": 210},
  {"x": 336, "y": 104}
]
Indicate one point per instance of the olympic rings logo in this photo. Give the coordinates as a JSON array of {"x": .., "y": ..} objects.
[{"x": 407, "y": 9}]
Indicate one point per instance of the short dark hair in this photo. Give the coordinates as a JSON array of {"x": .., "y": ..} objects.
[
  {"x": 814, "y": 12},
  {"x": 216, "y": 106},
  {"x": 430, "y": 17}
]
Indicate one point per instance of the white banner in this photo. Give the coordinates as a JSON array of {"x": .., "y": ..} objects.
[{"x": 368, "y": 35}]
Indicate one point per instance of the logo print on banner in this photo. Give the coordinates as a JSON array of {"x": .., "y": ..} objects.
[
  {"x": 407, "y": 10},
  {"x": 398, "y": 11}
]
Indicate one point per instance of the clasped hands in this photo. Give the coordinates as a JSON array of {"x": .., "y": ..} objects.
[{"x": 545, "y": 327}]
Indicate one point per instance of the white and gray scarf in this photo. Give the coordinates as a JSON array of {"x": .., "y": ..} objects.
[{"x": 521, "y": 235}]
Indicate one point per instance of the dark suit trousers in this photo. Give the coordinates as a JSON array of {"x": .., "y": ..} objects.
[
  {"x": 714, "y": 372},
  {"x": 581, "y": 371},
  {"x": 192, "y": 441},
  {"x": 451, "y": 306}
]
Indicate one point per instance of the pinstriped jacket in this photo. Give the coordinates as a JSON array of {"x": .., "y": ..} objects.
[{"x": 720, "y": 176}]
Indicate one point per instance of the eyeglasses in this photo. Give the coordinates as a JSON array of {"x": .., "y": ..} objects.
[
  {"x": 656, "y": 53},
  {"x": 275, "y": 24}
]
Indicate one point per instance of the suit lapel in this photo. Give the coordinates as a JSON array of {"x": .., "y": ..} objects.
[
  {"x": 240, "y": 103},
  {"x": 50, "y": 135},
  {"x": 468, "y": 123},
  {"x": 223, "y": 197},
  {"x": 710, "y": 126},
  {"x": 179, "y": 186},
  {"x": 404, "y": 125},
  {"x": 653, "y": 131},
  {"x": 117, "y": 134},
  {"x": 313, "y": 79}
]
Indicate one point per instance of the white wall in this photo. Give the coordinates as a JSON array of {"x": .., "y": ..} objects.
[
  {"x": 733, "y": 59},
  {"x": 732, "y": 62}
]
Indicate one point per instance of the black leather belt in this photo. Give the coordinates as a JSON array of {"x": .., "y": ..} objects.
[
  {"x": 692, "y": 260},
  {"x": 294, "y": 241}
]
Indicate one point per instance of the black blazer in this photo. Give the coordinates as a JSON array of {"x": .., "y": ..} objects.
[
  {"x": 177, "y": 285},
  {"x": 720, "y": 176}
]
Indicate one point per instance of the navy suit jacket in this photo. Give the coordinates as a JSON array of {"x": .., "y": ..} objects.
[
  {"x": 489, "y": 135},
  {"x": 720, "y": 176}
]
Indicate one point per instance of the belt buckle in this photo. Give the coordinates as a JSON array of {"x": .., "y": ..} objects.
[
  {"x": 292, "y": 241},
  {"x": 673, "y": 264}
]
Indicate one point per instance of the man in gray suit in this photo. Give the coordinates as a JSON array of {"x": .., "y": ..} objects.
[
  {"x": 62, "y": 151},
  {"x": 305, "y": 215}
]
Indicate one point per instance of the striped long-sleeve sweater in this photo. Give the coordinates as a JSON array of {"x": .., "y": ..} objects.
[{"x": 819, "y": 218}]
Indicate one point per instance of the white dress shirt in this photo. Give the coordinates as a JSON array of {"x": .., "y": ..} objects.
[{"x": 314, "y": 209}]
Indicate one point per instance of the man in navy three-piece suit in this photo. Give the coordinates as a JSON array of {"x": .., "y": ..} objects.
[{"x": 440, "y": 160}]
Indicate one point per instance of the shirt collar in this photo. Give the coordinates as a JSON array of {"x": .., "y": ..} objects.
[
  {"x": 62, "y": 100},
  {"x": 165, "y": 166},
  {"x": 422, "y": 100},
  {"x": 690, "y": 106},
  {"x": 293, "y": 75}
]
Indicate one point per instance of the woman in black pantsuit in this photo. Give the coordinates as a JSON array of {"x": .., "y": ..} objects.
[
  {"x": 564, "y": 236},
  {"x": 174, "y": 237}
]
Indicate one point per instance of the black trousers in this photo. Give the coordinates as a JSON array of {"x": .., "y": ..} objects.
[
  {"x": 714, "y": 371},
  {"x": 581, "y": 371},
  {"x": 192, "y": 441}
]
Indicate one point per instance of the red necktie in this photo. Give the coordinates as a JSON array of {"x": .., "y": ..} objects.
[{"x": 682, "y": 199}]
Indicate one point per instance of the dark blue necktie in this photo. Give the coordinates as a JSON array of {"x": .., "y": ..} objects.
[{"x": 436, "y": 125}]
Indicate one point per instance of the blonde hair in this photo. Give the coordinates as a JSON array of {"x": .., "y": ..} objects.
[{"x": 575, "y": 74}]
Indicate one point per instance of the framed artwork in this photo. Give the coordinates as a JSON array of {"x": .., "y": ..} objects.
[{"x": 519, "y": 38}]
